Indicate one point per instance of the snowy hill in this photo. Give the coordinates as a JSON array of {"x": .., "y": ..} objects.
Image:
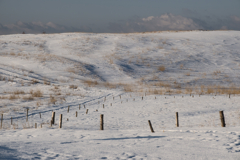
[{"x": 137, "y": 77}]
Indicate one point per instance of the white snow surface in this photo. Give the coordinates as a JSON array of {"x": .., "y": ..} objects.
[{"x": 51, "y": 63}]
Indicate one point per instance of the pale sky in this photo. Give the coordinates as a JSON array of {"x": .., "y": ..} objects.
[{"x": 36, "y": 16}]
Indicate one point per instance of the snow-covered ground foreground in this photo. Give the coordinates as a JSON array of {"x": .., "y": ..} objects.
[{"x": 184, "y": 72}]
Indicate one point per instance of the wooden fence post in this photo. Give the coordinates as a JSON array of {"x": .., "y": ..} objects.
[
  {"x": 150, "y": 125},
  {"x": 1, "y": 120},
  {"x": 222, "y": 119},
  {"x": 76, "y": 113},
  {"x": 87, "y": 111},
  {"x": 103, "y": 106},
  {"x": 79, "y": 106},
  {"x": 35, "y": 125},
  {"x": 101, "y": 122},
  {"x": 142, "y": 98},
  {"x": 27, "y": 115},
  {"x": 11, "y": 120},
  {"x": 68, "y": 109},
  {"x": 84, "y": 106},
  {"x": 177, "y": 122},
  {"x": 53, "y": 117},
  {"x": 120, "y": 96},
  {"x": 60, "y": 121},
  {"x": 111, "y": 104},
  {"x": 40, "y": 115},
  {"x": 229, "y": 95}
]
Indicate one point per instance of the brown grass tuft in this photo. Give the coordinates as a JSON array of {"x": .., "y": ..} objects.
[
  {"x": 13, "y": 97},
  {"x": 52, "y": 99},
  {"x": 18, "y": 92},
  {"x": 28, "y": 98},
  {"x": 36, "y": 93},
  {"x": 73, "y": 86},
  {"x": 161, "y": 68},
  {"x": 90, "y": 83},
  {"x": 34, "y": 81}
]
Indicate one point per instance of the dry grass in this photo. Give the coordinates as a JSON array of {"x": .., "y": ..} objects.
[
  {"x": 52, "y": 99},
  {"x": 216, "y": 73},
  {"x": 34, "y": 81},
  {"x": 110, "y": 85},
  {"x": 181, "y": 66},
  {"x": 19, "y": 92},
  {"x": 28, "y": 98},
  {"x": 71, "y": 70},
  {"x": 56, "y": 87},
  {"x": 4, "y": 97},
  {"x": 46, "y": 82},
  {"x": 27, "y": 125},
  {"x": 159, "y": 47},
  {"x": 90, "y": 83},
  {"x": 13, "y": 97},
  {"x": 36, "y": 93},
  {"x": 38, "y": 103},
  {"x": 73, "y": 86},
  {"x": 161, "y": 68},
  {"x": 210, "y": 90}
]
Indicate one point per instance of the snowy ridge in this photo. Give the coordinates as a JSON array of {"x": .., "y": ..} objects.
[{"x": 49, "y": 72}]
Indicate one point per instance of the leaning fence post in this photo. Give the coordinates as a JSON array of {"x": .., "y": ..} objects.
[
  {"x": 101, "y": 122},
  {"x": 1, "y": 120},
  {"x": 27, "y": 115},
  {"x": 177, "y": 122},
  {"x": 222, "y": 118},
  {"x": 60, "y": 121},
  {"x": 87, "y": 111},
  {"x": 76, "y": 113},
  {"x": 150, "y": 125}
]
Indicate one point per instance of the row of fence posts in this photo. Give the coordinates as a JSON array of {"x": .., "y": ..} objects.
[
  {"x": 102, "y": 123},
  {"x": 177, "y": 121},
  {"x": 101, "y": 117}
]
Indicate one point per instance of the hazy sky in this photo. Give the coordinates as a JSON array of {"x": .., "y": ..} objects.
[{"x": 36, "y": 16}]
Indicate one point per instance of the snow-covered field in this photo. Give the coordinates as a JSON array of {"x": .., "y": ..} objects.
[{"x": 191, "y": 73}]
